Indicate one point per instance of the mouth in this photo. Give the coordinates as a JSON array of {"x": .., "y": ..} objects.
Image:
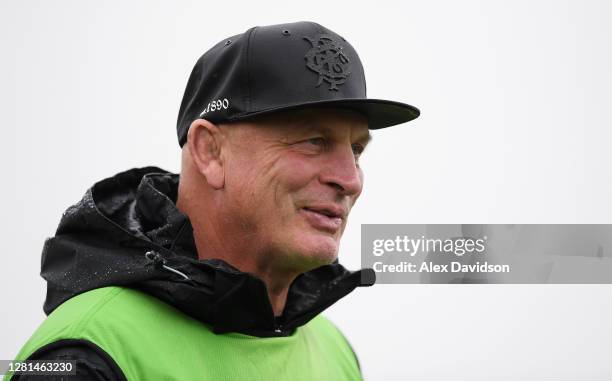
[{"x": 327, "y": 218}]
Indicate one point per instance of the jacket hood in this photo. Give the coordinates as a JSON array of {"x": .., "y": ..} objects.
[{"x": 127, "y": 231}]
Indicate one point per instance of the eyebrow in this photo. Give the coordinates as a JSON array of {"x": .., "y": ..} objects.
[{"x": 365, "y": 138}]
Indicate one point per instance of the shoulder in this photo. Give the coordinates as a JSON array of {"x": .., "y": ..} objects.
[
  {"x": 89, "y": 303},
  {"x": 119, "y": 319},
  {"x": 323, "y": 327},
  {"x": 112, "y": 307},
  {"x": 115, "y": 324}
]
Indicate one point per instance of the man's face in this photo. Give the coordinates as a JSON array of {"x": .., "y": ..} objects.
[{"x": 291, "y": 180}]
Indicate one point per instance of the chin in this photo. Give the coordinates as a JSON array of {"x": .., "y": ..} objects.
[{"x": 317, "y": 251}]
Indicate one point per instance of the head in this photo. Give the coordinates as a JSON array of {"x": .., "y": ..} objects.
[{"x": 278, "y": 187}]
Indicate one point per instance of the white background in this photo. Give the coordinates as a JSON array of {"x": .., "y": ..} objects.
[{"x": 515, "y": 128}]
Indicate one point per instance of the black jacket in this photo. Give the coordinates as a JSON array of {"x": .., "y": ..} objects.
[{"x": 126, "y": 231}]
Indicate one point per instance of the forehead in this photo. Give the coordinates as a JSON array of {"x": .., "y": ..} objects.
[{"x": 331, "y": 120}]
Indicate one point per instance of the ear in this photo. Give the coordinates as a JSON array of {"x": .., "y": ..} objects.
[{"x": 204, "y": 140}]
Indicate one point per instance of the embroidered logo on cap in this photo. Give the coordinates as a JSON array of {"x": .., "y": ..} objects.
[{"x": 327, "y": 58}]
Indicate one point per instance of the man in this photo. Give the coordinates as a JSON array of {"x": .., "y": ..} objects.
[{"x": 222, "y": 273}]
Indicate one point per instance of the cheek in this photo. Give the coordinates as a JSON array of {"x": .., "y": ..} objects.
[
  {"x": 269, "y": 185},
  {"x": 242, "y": 184},
  {"x": 294, "y": 174}
]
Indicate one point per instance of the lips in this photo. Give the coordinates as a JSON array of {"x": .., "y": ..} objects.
[{"x": 327, "y": 218}]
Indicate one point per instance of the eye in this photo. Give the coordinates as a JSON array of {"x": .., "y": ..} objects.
[
  {"x": 316, "y": 141},
  {"x": 313, "y": 145},
  {"x": 357, "y": 149}
]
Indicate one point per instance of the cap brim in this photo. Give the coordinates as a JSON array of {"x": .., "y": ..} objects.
[{"x": 380, "y": 113}]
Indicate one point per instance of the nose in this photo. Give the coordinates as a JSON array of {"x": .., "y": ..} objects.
[{"x": 342, "y": 172}]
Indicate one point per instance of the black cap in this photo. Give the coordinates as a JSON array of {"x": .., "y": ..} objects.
[{"x": 281, "y": 67}]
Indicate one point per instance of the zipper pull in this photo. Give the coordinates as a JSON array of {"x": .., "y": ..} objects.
[
  {"x": 155, "y": 257},
  {"x": 160, "y": 262}
]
